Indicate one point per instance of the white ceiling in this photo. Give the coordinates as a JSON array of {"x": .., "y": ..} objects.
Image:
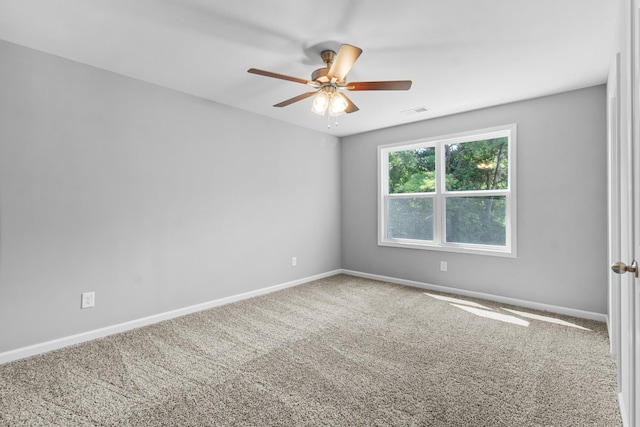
[{"x": 460, "y": 54}]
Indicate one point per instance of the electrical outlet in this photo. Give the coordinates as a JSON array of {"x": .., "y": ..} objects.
[
  {"x": 88, "y": 300},
  {"x": 443, "y": 265},
  {"x": 294, "y": 261}
]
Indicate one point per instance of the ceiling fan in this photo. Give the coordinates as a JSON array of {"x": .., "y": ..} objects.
[{"x": 330, "y": 81}]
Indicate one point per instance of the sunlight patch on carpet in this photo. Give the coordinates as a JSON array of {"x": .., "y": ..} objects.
[
  {"x": 546, "y": 319},
  {"x": 457, "y": 301},
  {"x": 493, "y": 315}
]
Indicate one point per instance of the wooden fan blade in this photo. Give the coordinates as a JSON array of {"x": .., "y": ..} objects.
[
  {"x": 385, "y": 85},
  {"x": 351, "y": 107},
  {"x": 295, "y": 99},
  {"x": 280, "y": 76},
  {"x": 344, "y": 60}
]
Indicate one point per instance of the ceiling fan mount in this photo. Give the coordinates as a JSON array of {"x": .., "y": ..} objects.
[
  {"x": 328, "y": 80},
  {"x": 328, "y": 56}
]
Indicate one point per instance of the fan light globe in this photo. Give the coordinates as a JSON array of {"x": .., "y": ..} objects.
[
  {"x": 320, "y": 103},
  {"x": 337, "y": 104}
]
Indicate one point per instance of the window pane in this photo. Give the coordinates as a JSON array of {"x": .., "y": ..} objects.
[
  {"x": 410, "y": 218},
  {"x": 476, "y": 220},
  {"x": 412, "y": 171},
  {"x": 477, "y": 165}
]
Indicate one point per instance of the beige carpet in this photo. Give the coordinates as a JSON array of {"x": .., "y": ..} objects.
[{"x": 341, "y": 351}]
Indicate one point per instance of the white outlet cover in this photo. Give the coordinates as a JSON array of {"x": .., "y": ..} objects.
[{"x": 88, "y": 300}]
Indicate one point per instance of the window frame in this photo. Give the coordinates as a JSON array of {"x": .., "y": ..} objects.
[{"x": 440, "y": 194}]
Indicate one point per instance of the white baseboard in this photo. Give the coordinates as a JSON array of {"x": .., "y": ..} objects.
[
  {"x": 47, "y": 346},
  {"x": 505, "y": 300}
]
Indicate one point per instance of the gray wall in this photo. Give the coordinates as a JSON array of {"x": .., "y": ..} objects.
[
  {"x": 561, "y": 200},
  {"x": 151, "y": 198},
  {"x": 157, "y": 200}
]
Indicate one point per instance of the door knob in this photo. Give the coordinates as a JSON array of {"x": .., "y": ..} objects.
[{"x": 620, "y": 268}]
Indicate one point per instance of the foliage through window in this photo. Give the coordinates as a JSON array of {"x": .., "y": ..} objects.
[{"x": 454, "y": 193}]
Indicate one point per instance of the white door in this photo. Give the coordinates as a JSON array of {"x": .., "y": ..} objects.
[
  {"x": 622, "y": 247},
  {"x": 625, "y": 296},
  {"x": 623, "y": 197},
  {"x": 624, "y": 131}
]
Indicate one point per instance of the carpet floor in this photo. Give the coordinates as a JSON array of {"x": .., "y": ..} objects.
[{"x": 341, "y": 351}]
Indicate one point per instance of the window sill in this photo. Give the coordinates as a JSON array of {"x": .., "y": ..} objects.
[{"x": 456, "y": 248}]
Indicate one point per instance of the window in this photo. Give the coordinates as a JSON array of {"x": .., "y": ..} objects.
[{"x": 453, "y": 193}]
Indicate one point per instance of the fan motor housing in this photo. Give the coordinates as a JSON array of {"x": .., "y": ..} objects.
[{"x": 320, "y": 72}]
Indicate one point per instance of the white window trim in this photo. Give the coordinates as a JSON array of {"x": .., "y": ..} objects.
[{"x": 439, "y": 195}]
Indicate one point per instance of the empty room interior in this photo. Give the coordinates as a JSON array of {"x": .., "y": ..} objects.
[{"x": 189, "y": 236}]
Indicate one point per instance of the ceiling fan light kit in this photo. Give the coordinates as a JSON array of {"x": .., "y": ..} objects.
[
  {"x": 328, "y": 100},
  {"x": 329, "y": 81}
]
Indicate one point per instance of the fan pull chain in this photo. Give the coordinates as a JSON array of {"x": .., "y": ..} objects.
[{"x": 329, "y": 121}]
